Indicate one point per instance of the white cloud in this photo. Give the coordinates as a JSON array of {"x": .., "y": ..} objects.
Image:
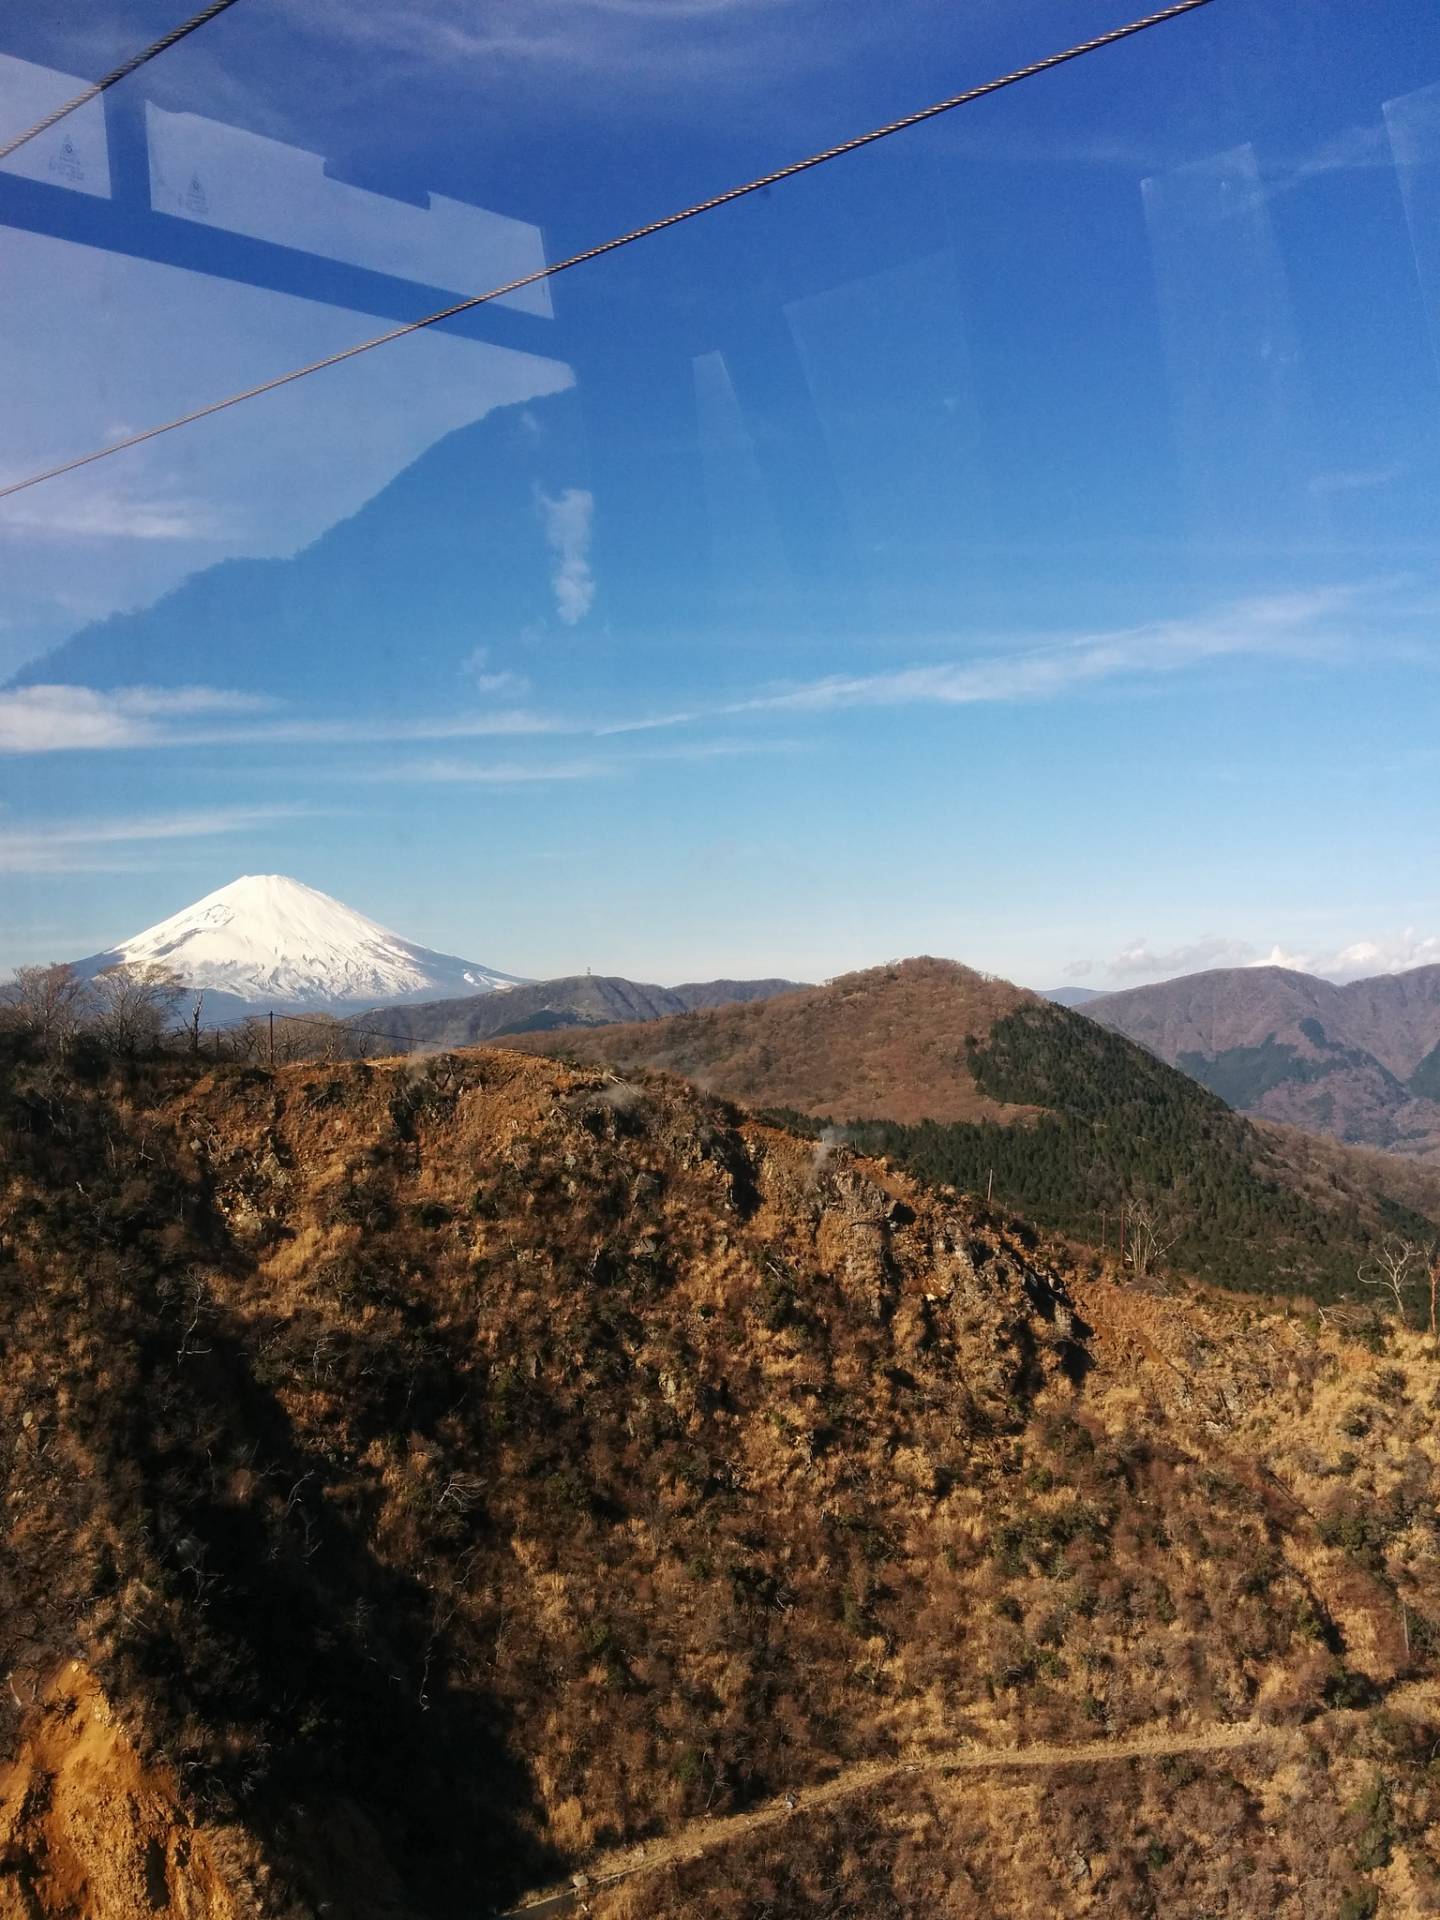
[
  {"x": 1395, "y": 954},
  {"x": 1140, "y": 958},
  {"x": 498, "y": 683},
  {"x": 53, "y": 719},
  {"x": 566, "y": 520},
  {"x": 50, "y": 719},
  {"x": 642, "y": 45},
  {"x": 1279, "y": 956},
  {"x": 1359, "y": 960},
  {"x": 93, "y": 510},
  {"x": 96, "y": 846}
]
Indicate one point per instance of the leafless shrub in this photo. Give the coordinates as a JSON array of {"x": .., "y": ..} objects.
[
  {"x": 133, "y": 1007},
  {"x": 1393, "y": 1268},
  {"x": 48, "y": 1003}
]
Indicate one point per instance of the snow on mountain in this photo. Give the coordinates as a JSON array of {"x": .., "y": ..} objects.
[{"x": 269, "y": 941}]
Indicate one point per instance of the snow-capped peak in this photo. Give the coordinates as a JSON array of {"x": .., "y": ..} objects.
[{"x": 271, "y": 941}]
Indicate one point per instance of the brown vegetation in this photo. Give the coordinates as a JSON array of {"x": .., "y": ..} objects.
[
  {"x": 447, "y": 1472},
  {"x": 89, "y": 1829},
  {"x": 887, "y": 1043}
]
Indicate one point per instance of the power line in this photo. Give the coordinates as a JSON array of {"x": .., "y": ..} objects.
[
  {"x": 622, "y": 240},
  {"x": 122, "y": 72},
  {"x": 339, "y": 1026}
]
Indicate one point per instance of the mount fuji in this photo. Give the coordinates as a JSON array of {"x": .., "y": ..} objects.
[{"x": 268, "y": 941}]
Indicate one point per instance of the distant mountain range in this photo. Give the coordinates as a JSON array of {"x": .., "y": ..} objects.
[
  {"x": 1072, "y": 996},
  {"x": 269, "y": 942},
  {"x": 966, "y": 1080},
  {"x": 1360, "y": 1063},
  {"x": 576, "y": 1001}
]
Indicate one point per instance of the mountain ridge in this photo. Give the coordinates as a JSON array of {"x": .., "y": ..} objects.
[
  {"x": 569, "y": 1002},
  {"x": 1359, "y": 1061},
  {"x": 967, "y": 1081},
  {"x": 887, "y": 1039}
]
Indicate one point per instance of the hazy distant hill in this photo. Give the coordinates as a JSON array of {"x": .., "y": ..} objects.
[
  {"x": 1360, "y": 1062},
  {"x": 963, "y": 1078},
  {"x": 1072, "y": 996},
  {"x": 577, "y": 1000}
]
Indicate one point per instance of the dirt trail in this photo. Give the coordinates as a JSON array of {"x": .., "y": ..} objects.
[{"x": 700, "y": 1837}]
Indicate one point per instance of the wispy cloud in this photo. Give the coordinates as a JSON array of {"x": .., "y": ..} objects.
[
  {"x": 1354, "y": 149},
  {"x": 103, "y": 511},
  {"x": 494, "y": 773},
  {"x": 446, "y": 770},
  {"x": 640, "y": 44},
  {"x": 98, "y": 845},
  {"x": 567, "y": 519},
  {"x": 1354, "y": 480},
  {"x": 56, "y": 719},
  {"x": 50, "y": 719},
  {"x": 497, "y": 683},
  {"x": 1289, "y": 623},
  {"x": 1298, "y": 625}
]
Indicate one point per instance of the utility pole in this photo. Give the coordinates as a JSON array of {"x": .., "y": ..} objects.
[{"x": 272, "y": 1040}]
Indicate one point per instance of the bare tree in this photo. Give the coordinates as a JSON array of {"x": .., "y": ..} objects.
[
  {"x": 1393, "y": 1268},
  {"x": 48, "y": 1003},
  {"x": 1146, "y": 1236},
  {"x": 313, "y": 1036},
  {"x": 192, "y": 1021},
  {"x": 134, "y": 1006}
]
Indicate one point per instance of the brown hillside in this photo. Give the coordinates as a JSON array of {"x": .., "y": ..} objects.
[
  {"x": 453, "y": 1476},
  {"x": 89, "y": 1829},
  {"x": 889, "y": 1041}
]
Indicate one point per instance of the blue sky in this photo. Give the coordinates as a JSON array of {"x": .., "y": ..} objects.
[{"x": 1016, "y": 542}]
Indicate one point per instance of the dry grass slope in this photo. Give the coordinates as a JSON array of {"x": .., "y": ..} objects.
[
  {"x": 887, "y": 1042},
  {"x": 450, "y": 1472}
]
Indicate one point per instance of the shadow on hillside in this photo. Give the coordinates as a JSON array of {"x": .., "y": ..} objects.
[
  {"x": 1070, "y": 1339},
  {"x": 358, "y": 1752},
  {"x": 223, "y": 1563}
]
